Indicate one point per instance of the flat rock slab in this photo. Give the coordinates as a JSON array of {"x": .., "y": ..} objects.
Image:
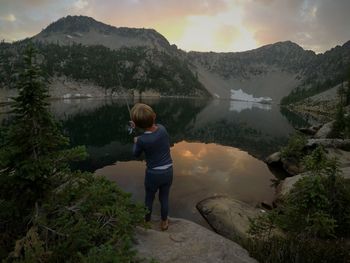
[{"x": 186, "y": 241}]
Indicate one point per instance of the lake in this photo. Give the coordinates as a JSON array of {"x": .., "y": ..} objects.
[{"x": 217, "y": 146}]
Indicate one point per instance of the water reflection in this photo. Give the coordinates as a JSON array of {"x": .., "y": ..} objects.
[
  {"x": 217, "y": 145},
  {"x": 100, "y": 125},
  {"x": 239, "y": 106},
  {"x": 200, "y": 170}
]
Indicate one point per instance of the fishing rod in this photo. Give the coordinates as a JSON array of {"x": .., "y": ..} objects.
[{"x": 131, "y": 127}]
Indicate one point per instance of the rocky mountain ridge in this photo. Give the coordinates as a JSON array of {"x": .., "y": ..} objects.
[
  {"x": 269, "y": 73},
  {"x": 87, "y": 31}
]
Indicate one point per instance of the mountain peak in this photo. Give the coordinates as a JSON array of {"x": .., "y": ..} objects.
[
  {"x": 87, "y": 31},
  {"x": 284, "y": 44},
  {"x": 70, "y": 24}
]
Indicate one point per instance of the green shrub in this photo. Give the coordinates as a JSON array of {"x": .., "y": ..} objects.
[
  {"x": 310, "y": 219},
  {"x": 80, "y": 220},
  {"x": 294, "y": 148},
  {"x": 298, "y": 250}
]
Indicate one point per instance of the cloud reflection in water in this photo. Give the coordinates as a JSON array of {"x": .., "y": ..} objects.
[{"x": 200, "y": 170}]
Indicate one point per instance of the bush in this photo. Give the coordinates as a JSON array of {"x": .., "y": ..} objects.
[
  {"x": 309, "y": 221},
  {"x": 294, "y": 148},
  {"x": 81, "y": 219},
  {"x": 298, "y": 250}
]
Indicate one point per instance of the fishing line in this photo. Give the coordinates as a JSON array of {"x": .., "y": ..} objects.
[
  {"x": 126, "y": 101},
  {"x": 131, "y": 129}
]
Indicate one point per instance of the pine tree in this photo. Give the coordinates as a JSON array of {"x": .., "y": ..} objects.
[
  {"x": 47, "y": 212},
  {"x": 33, "y": 149},
  {"x": 347, "y": 93}
]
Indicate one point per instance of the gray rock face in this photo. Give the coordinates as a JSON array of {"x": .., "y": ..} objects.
[
  {"x": 329, "y": 143},
  {"x": 186, "y": 241},
  {"x": 227, "y": 216},
  {"x": 273, "y": 158},
  {"x": 324, "y": 131},
  {"x": 287, "y": 184}
]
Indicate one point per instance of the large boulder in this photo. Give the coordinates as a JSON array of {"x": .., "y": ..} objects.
[
  {"x": 227, "y": 216},
  {"x": 324, "y": 131},
  {"x": 186, "y": 241}
]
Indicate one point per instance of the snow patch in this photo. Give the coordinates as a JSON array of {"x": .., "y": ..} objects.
[
  {"x": 241, "y": 95},
  {"x": 239, "y": 106}
]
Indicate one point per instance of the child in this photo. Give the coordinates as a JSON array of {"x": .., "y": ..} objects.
[{"x": 154, "y": 142}]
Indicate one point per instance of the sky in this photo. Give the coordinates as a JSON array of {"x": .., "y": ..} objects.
[{"x": 201, "y": 25}]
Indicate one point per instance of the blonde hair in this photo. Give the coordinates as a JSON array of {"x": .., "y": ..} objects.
[{"x": 143, "y": 115}]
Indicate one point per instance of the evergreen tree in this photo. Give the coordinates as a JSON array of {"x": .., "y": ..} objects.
[
  {"x": 32, "y": 152},
  {"x": 47, "y": 212},
  {"x": 348, "y": 89},
  {"x": 30, "y": 155}
]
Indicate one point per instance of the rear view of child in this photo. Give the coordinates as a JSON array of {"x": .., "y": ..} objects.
[{"x": 154, "y": 142}]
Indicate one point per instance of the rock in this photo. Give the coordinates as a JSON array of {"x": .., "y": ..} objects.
[
  {"x": 186, "y": 241},
  {"x": 324, "y": 131},
  {"x": 308, "y": 131},
  {"x": 343, "y": 157},
  {"x": 329, "y": 143},
  {"x": 227, "y": 216},
  {"x": 288, "y": 165},
  {"x": 346, "y": 172},
  {"x": 291, "y": 166},
  {"x": 287, "y": 184},
  {"x": 273, "y": 158},
  {"x": 266, "y": 205}
]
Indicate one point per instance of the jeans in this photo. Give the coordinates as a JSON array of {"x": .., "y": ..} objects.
[{"x": 158, "y": 180}]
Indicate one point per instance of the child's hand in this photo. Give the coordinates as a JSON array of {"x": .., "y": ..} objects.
[
  {"x": 132, "y": 124},
  {"x": 135, "y": 139}
]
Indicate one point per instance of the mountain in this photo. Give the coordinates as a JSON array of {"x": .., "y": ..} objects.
[
  {"x": 323, "y": 72},
  {"x": 269, "y": 71},
  {"x": 82, "y": 57},
  {"x": 87, "y": 31},
  {"x": 81, "y": 53}
]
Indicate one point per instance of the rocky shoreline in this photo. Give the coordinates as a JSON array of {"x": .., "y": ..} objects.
[
  {"x": 231, "y": 218},
  {"x": 186, "y": 241}
]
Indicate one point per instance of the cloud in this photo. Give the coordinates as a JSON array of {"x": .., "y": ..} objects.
[
  {"x": 9, "y": 18},
  {"x": 218, "y": 25},
  {"x": 81, "y": 4},
  {"x": 313, "y": 24}
]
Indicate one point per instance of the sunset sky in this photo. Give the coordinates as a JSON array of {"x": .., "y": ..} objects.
[{"x": 202, "y": 25}]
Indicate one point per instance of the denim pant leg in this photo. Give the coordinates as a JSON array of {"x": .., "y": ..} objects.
[
  {"x": 150, "y": 189},
  {"x": 154, "y": 180},
  {"x": 164, "y": 200}
]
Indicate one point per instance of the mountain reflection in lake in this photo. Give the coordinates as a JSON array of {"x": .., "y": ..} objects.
[{"x": 217, "y": 148}]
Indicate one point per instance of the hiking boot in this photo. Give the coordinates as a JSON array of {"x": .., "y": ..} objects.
[{"x": 164, "y": 225}]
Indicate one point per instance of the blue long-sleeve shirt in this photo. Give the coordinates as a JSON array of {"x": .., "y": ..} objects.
[{"x": 156, "y": 147}]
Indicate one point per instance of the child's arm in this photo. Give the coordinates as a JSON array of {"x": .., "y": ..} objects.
[{"x": 137, "y": 148}]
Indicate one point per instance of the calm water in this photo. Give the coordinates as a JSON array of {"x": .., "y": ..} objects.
[{"x": 217, "y": 146}]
